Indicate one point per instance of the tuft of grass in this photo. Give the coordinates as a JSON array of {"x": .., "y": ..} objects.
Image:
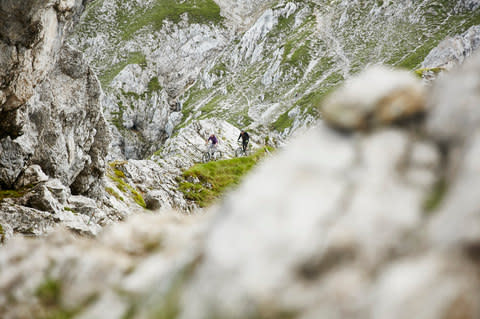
[
  {"x": 138, "y": 198},
  {"x": 435, "y": 196},
  {"x": 421, "y": 71},
  {"x": 10, "y": 193},
  {"x": 14, "y": 193},
  {"x": 154, "y": 85},
  {"x": 49, "y": 292},
  {"x": 112, "y": 192},
  {"x": 128, "y": 189},
  {"x": 2, "y": 234},
  {"x": 215, "y": 178},
  {"x": 68, "y": 209},
  {"x": 119, "y": 173}
]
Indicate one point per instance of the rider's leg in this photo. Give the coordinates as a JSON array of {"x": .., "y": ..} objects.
[{"x": 245, "y": 143}]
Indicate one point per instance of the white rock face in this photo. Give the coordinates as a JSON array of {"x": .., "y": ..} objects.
[
  {"x": 54, "y": 137},
  {"x": 29, "y": 40},
  {"x": 454, "y": 50},
  {"x": 244, "y": 13},
  {"x": 142, "y": 100}
]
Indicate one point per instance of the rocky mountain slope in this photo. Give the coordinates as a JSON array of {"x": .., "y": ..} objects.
[
  {"x": 260, "y": 65},
  {"x": 378, "y": 218},
  {"x": 170, "y": 76},
  {"x": 370, "y": 213}
]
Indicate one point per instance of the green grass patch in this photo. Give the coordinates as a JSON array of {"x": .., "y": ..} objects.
[
  {"x": 10, "y": 193},
  {"x": 311, "y": 102},
  {"x": 2, "y": 234},
  {"x": 421, "y": 71},
  {"x": 14, "y": 193},
  {"x": 211, "y": 105},
  {"x": 283, "y": 122},
  {"x": 219, "y": 69},
  {"x": 435, "y": 196},
  {"x": 154, "y": 85},
  {"x": 119, "y": 173},
  {"x": 138, "y": 198},
  {"x": 68, "y": 209},
  {"x": 215, "y": 178},
  {"x": 301, "y": 55},
  {"x": 49, "y": 294},
  {"x": 198, "y": 11}
]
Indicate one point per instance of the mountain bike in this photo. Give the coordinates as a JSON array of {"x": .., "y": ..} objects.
[
  {"x": 211, "y": 155},
  {"x": 239, "y": 151}
]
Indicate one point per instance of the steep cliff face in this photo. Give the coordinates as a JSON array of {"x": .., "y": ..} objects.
[
  {"x": 54, "y": 138},
  {"x": 260, "y": 65},
  {"x": 43, "y": 87}
]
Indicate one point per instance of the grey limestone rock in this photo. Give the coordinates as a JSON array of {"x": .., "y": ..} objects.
[
  {"x": 52, "y": 115},
  {"x": 32, "y": 175},
  {"x": 378, "y": 96},
  {"x": 24, "y": 220},
  {"x": 453, "y": 50},
  {"x": 470, "y": 4}
]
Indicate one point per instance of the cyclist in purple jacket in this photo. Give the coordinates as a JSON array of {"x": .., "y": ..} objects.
[{"x": 214, "y": 144}]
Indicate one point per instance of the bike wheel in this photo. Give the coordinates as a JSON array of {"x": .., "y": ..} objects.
[
  {"x": 238, "y": 152},
  {"x": 206, "y": 157}
]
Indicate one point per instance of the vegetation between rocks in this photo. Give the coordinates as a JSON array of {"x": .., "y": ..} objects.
[
  {"x": 49, "y": 294},
  {"x": 14, "y": 193},
  {"x": 117, "y": 176},
  {"x": 198, "y": 11},
  {"x": 435, "y": 196}
]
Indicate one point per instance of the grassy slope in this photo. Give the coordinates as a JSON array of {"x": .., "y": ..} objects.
[
  {"x": 205, "y": 183},
  {"x": 402, "y": 41}
]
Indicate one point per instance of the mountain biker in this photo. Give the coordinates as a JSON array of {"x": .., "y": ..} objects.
[
  {"x": 212, "y": 148},
  {"x": 245, "y": 138}
]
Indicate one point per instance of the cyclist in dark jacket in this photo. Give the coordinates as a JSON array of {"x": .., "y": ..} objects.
[{"x": 245, "y": 138}]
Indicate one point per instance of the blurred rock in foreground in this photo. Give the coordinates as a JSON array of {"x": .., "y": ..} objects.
[{"x": 380, "y": 224}]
